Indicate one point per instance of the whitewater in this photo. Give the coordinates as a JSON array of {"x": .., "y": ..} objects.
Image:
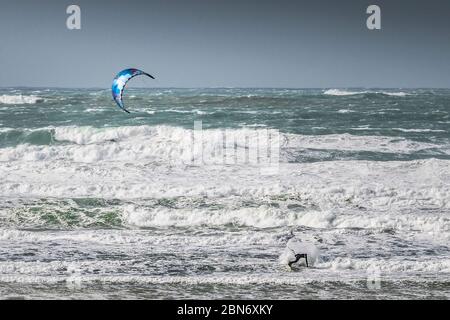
[{"x": 96, "y": 203}]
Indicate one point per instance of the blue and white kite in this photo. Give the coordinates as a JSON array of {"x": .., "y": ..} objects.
[{"x": 121, "y": 80}]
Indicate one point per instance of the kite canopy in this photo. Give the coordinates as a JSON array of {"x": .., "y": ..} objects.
[{"x": 121, "y": 80}]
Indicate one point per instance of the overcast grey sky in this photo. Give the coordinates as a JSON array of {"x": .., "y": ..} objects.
[{"x": 231, "y": 43}]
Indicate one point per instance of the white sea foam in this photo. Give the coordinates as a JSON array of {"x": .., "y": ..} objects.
[
  {"x": 337, "y": 92},
  {"x": 348, "y": 142},
  {"x": 19, "y": 99},
  {"x": 340, "y": 92},
  {"x": 294, "y": 280},
  {"x": 343, "y": 193},
  {"x": 133, "y": 237},
  {"x": 418, "y": 130},
  {"x": 144, "y": 162},
  {"x": 434, "y": 224},
  {"x": 390, "y": 265},
  {"x": 39, "y": 272},
  {"x": 155, "y": 217},
  {"x": 395, "y": 94},
  {"x": 395, "y": 216},
  {"x": 177, "y": 145},
  {"x": 260, "y": 217}
]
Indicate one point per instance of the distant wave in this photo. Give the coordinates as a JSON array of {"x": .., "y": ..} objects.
[
  {"x": 395, "y": 94},
  {"x": 338, "y": 92},
  {"x": 418, "y": 130},
  {"x": 345, "y": 111},
  {"x": 20, "y": 99}
]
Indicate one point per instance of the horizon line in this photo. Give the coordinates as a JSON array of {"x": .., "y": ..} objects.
[{"x": 224, "y": 87}]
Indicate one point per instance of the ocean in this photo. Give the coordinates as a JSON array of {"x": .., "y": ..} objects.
[{"x": 182, "y": 198}]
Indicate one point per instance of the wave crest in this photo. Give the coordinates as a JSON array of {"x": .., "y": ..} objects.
[
  {"x": 176, "y": 144},
  {"x": 339, "y": 92},
  {"x": 20, "y": 99}
]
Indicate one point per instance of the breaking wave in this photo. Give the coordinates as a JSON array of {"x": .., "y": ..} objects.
[
  {"x": 340, "y": 92},
  {"x": 19, "y": 99},
  {"x": 176, "y": 144}
]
